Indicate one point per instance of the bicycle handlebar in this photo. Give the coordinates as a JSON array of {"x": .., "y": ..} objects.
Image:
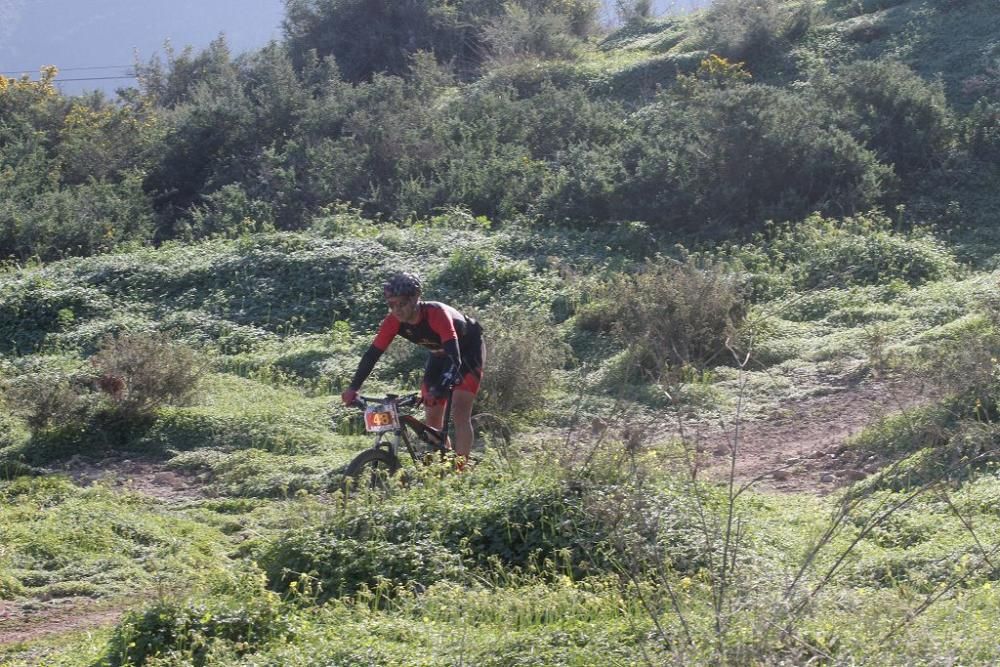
[{"x": 404, "y": 401}]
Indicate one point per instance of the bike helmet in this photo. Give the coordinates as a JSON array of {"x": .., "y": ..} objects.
[{"x": 402, "y": 284}]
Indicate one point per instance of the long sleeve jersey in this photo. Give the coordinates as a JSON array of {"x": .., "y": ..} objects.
[{"x": 441, "y": 329}]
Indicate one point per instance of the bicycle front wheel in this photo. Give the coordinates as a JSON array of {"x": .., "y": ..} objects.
[{"x": 371, "y": 469}]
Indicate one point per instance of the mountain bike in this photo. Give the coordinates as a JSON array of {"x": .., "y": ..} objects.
[{"x": 398, "y": 433}]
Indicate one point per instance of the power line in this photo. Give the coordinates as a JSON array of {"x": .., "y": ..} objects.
[
  {"x": 94, "y": 78},
  {"x": 59, "y": 79},
  {"x": 69, "y": 69}
]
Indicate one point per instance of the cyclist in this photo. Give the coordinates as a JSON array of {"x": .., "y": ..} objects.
[{"x": 455, "y": 364}]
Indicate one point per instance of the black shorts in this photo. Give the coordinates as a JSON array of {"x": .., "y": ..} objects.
[{"x": 473, "y": 351}]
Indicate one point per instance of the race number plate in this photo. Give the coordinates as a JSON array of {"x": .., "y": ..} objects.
[{"x": 379, "y": 418}]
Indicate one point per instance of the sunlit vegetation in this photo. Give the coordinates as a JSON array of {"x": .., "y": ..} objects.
[{"x": 687, "y": 221}]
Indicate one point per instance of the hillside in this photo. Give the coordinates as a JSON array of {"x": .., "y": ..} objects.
[{"x": 737, "y": 272}]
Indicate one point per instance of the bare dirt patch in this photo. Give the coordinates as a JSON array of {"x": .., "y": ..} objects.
[
  {"x": 146, "y": 476},
  {"x": 798, "y": 445},
  {"x": 30, "y": 621},
  {"x": 801, "y": 448}
]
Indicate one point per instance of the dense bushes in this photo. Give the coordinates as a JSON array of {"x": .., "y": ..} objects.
[
  {"x": 982, "y": 130},
  {"x": 735, "y": 155},
  {"x": 341, "y": 564},
  {"x": 82, "y": 219},
  {"x": 33, "y": 307},
  {"x": 667, "y": 314},
  {"x": 125, "y": 382},
  {"x": 383, "y": 35},
  {"x": 70, "y": 171},
  {"x": 861, "y": 250},
  {"x": 413, "y": 544},
  {"x": 190, "y": 630},
  {"x": 47, "y": 398},
  {"x": 523, "y": 352},
  {"x": 518, "y": 34},
  {"x": 749, "y": 31},
  {"x": 140, "y": 373},
  {"x": 890, "y": 108},
  {"x": 214, "y": 145}
]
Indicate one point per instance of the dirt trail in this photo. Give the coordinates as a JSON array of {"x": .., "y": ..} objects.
[
  {"x": 801, "y": 448},
  {"x": 149, "y": 477},
  {"x": 22, "y": 622}
]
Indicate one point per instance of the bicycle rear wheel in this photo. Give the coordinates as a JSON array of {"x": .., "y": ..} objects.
[
  {"x": 491, "y": 433},
  {"x": 371, "y": 469}
]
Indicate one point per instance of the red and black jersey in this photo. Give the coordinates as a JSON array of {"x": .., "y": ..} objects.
[
  {"x": 439, "y": 323},
  {"x": 441, "y": 329}
]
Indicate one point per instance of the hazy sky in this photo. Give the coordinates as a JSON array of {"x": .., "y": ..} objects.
[{"x": 76, "y": 34}]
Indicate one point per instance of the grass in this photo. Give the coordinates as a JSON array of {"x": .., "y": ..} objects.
[
  {"x": 265, "y": 440},
  {"x": 61, "y": 540},
  {"x": 85, "y": 647}
]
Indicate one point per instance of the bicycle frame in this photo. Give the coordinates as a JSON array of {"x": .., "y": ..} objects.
[
  {"x": 397, "y": 438},
  {"x": 392, "y": 435}
]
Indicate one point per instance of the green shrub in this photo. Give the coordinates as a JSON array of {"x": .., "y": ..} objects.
[
  {"x": 668, "y": 314},
  {"x": 12, "y": 433},
  {"x": 741, "y": 30},
  {"x": 49, "y": 398},
  {"x": 529, "y": 524},
  {"x": 473, "y": 270},
  {"x": 713, "y": 159},
  {"x": 190, "y": 630},
  {"x": 413, "y": 544},
  {"x": 860, "y": 250},
  {"x": 523, "y": 350},
  {"x": 341, "y": 564},
  {"x": 582, "y": 187},
  {"x": 139, "y": 373},
  {"x": 230, "y": 212},
  {"x": 888, "y": 106},
  {"x": 982, "y": 130},
  {"x": 10, "y": 587},
  {"x": 967, "y": 365},
  {"x": 36, "y": 305},
  {"x": 82, "y": 219},
  {"x": 383, "y": 38},
  {"x": 519, "y": 33}
]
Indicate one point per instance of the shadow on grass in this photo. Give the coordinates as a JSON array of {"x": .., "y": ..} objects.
[{"x": 102, "y": 434}]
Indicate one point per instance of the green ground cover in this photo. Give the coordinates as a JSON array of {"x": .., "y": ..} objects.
[{"x": 442, "y": 571}]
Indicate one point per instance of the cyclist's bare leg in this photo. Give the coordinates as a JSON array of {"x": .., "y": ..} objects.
[
  {"x": 434, "y": 417},
  {"x": 461, "y": 412}
]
